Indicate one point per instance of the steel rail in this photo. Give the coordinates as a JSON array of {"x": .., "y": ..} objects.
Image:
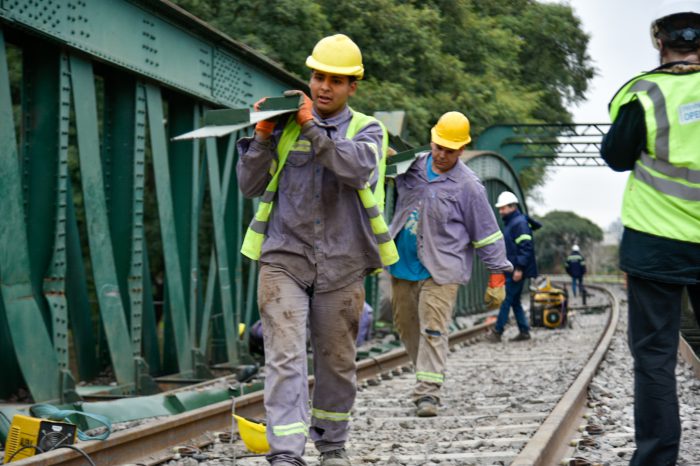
[
  {"x": 152, "y": 443},
  {"x": 689, "y": 356},
  {"x": 550, "y": 441}
]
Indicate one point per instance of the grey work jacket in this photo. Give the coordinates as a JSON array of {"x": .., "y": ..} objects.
[
  {"x": 319, "y": 232},
  {"x": 453, "y": 213}
]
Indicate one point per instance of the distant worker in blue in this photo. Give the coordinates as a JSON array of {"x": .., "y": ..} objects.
[
  {"x": 318, "y": 232},
  {"x": 655, "y": 134},
  {"x": 576, "y": 268},
  {"x": 520, "y": 247},
  {"x": 442, "y": 219}
]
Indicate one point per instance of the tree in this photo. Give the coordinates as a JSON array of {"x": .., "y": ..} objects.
[
  {"x": 497, "y": 61},
  {"x": 560, "y": 230}
]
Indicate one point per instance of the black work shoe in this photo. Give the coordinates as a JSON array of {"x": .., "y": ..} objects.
[
  {"x": 493, "y": 336},
  {"x": 427, "y": 407},
  {"x": 337, "y": 457},
  {"x": 521, "y": 337}
]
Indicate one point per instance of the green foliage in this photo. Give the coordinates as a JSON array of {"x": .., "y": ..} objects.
[
  {"x": 560, "y": 230},
  {"x": 497, "y": 61}
]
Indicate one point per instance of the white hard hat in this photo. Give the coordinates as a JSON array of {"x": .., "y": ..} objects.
[
  {"x": 668, "y": 8},
  {"x": 575, "y": 248},
  {"x": 506, "y": 198}
]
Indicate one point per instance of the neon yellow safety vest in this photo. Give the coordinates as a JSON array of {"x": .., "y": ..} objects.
[
  {"x": 373, "y": 202},
  {"x": 662, "y": 196}
]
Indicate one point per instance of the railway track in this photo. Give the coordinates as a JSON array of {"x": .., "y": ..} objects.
[{"x": 491, "y": 414}]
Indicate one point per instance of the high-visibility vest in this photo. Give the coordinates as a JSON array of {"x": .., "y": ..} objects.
[
  {"x": 373, "y": 202},
  {"x": 662, "y": 196}
]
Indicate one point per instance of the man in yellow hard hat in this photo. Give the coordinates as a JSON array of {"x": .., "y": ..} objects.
[
  {"x": 656, "y": 135},
  {"x": 317, "y": 233},
  {"x": 442, "y": 218}
]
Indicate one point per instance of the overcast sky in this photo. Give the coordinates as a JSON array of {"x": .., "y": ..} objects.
[{"x": 620, "y": 47}]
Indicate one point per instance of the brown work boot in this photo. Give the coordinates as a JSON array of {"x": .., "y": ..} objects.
[
  {"x": 427, "y": 407},
  {"x": 493, "y": 337},
  {"x": 521, "y": 337},
  {"x": 337, "y": 457}
]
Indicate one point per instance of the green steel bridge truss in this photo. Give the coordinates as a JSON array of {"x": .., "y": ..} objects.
[
  {"x": 558, "y": 145},
  {"x": 91, "y": 94}
]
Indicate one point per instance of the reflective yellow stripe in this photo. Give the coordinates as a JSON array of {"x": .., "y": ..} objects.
[
  {"x": 488, "y": 240},
  {"x": 250, "y": 247},
  {"x": 330, "y": 415},
  {"x": 388, "y": 253},
  {"x": 430, "y": 377},
  {"x": 290, "y": 429},
  {"x": 264, "y": 210},
  {"x": 302, "y": 145},
  {"x": 671, "y": 187},
  {"x": 273, "y": 167},
  {"x": 378, "y": 225},
  {"x": 522, "y": 238},
  {"x": 366, "y": 197}
]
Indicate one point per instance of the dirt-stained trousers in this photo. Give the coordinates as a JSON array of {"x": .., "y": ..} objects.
[
  {"x": 333, "y": 318},
  {"x": 422, "y": 313}
]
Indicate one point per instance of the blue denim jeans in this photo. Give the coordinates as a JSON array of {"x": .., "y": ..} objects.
[
  {"x": 513, "y": 291},
  {"x": 576, "y": 281}
]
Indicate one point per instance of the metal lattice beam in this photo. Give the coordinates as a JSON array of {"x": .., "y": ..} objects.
[{"x": 560, "y": 145}]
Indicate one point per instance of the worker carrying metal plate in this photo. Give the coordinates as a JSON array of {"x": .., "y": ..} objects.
[{"x": 317, "y": 233}]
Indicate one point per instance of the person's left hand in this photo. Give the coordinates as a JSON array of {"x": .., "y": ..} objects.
[
  {"x": 263, "y": 128},
  {"x": 304, "y": 114}
]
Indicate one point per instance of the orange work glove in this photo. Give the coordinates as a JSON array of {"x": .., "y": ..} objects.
[
  {"x": 265, "y": 127},
  {"x": 496, "y": 291},
  {"x": 304, "y": 114}
]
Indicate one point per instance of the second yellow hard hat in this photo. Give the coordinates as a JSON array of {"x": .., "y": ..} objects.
[
  {"x": 253, "y": 435},
  {"x": 451, "y": 131},
  {"x": 337, "y": 54}
]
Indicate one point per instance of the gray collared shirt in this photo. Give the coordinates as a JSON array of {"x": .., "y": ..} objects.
[
  {"x": 319, "y": 232},
  {"x": 454, "y": 220}
]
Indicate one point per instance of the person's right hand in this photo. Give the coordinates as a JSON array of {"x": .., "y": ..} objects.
[
  {"x": 517, "y": 275},
  {"x": 264, "y": 128}
]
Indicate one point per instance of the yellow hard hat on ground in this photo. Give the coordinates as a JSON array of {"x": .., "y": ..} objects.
[
  {"x": 337, "y": 54},
  {"x": 451, "y": 131},
  {"x": 253, "y": 435}
]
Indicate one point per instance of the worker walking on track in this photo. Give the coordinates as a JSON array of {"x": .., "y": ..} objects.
[
  {"x": 520, "y": 247},
  {"x": 442, "y": 217},
  {"x": 576, "y": 268},
  {"x": 317, "y": 233},
  {"x": 656, "y": 134}
]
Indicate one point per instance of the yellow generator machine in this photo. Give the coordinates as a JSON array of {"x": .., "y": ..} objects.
[
  {"x": 29, "y": 436},
  {"x": 548, "y": 306}
]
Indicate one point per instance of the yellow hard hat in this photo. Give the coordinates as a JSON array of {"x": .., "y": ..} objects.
[
  {"x": 337, "y": 54},
  {"x": 451, "y": 131},
  {"x": 253, "y": 434}
]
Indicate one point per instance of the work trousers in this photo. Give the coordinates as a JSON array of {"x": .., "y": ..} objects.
[
  {"x": 422, "y": 313},
  {"x": 513, "y": 291},
  {"x": 653, "y": 331},
  {"x": 333, "y": 318}
]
